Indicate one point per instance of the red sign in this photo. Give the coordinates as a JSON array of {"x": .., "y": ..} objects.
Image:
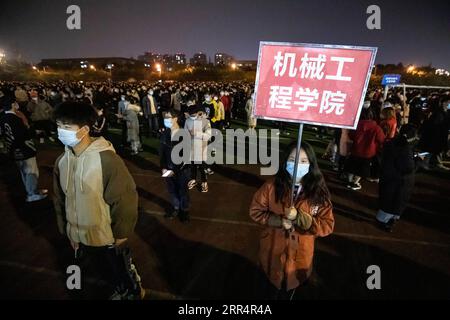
[{"x": 311, "y": 83}]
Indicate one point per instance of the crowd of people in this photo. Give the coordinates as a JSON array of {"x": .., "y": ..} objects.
[
  {"x": 394, "y": 138},
  {"x": 95, "y": 196}
]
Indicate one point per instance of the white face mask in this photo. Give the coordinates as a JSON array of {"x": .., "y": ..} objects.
[
  {"x": 122, "y": 98},
  {"x": 150, "y": 93},
  {"x": 193, "y": 117},
  {"x": 302, "y": 170},
  {"x": 207, "y": 99},
  {"x": 168, "y": 123},
  {"x": 68, "y": 137},
  {"x": 34, "y": 99}
]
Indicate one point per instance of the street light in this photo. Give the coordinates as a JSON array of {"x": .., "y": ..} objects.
[
  {"x": 2, "y": 55},
  {"x": 233, "y": 66},
  {"x": 410, "y": 69},
  {"x": 109, "y": 66},
  {"x": 92, "y": 67},
  {"x": 158, "y": 68},
  {"x": 34, "y": 68}
]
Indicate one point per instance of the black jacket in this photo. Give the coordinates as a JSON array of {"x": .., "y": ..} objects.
[
  {"x": 165, "y": 152},
  {"x": 19, "y": 143},
  {"x": 434, "y": 133},
  {"x": 397, "y": 176}
]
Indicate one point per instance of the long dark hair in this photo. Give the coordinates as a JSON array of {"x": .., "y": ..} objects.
[{"x": 313, "y": 183}]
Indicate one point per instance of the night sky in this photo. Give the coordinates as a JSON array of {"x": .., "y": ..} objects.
[{"x": 412, "y": 32}]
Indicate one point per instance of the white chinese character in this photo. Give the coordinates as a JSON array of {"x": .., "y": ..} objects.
[
  {"x": 339, "y": 76},
  {"x": 306, "y": 98},
  {"x": 280, "y": 97},
  {"x": 312, "y": 67},
  {"x": 332, "y": 102},
  {"x": 281, "y": 63}
]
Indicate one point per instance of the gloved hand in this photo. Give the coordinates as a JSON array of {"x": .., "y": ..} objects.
[
  {"x": 303, "y": 220},
  {"x": 290, "y": 213},
  {"x": 286, "y": 224}
]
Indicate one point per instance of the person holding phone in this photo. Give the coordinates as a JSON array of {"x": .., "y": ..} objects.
[{"x": 176, "y": 175}]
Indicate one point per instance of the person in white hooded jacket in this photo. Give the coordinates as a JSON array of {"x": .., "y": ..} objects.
[{"x": 95, "y": 198}]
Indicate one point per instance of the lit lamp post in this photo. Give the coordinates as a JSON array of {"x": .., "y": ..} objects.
[
  {"x": 2, "y": 56},
  {"x": 109, "y": 67},
  {"x": 158, "y": 69},
  {"x": 92, "y": 67},
  {"x": 410, "y": 69},
  {"x": 233, "y": 66}
]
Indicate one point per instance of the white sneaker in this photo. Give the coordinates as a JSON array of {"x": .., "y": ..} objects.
[
  {"x": 191, "y": 184},
  {"x": 51, "y": 139},
  {"x": 36, "y": 197},
  {"x": 41, "y": 140}
]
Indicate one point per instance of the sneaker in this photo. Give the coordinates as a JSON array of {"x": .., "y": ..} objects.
[
  {"x": 205, "y": 187},
  {"x": 192, "y": 184},
  {"x": 388, "y": 226},
  {"x": 209, "y": 171},
  {"x": 173, "y": 214},
  {"x": 36, "y": 197},
  {"x": 354, "y": 186},
  {"x": 41, "y": 140},
  {"x": 51, "y": 139}
]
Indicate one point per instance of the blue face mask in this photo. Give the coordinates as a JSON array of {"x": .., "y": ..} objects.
[
  {"x": 168, "y": 123},
  {"x": 68, "y": 137},
  {"x": 302, "y": 170}
]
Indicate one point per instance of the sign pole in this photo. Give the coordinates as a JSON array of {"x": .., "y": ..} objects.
[
  {"x": 386, "y": 88},
  {"x": 297, "y": 155}
]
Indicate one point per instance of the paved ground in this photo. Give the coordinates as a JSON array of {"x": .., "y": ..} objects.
[{"x": 215, "y": 256}]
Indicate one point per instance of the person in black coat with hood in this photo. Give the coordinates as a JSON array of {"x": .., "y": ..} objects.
[
  {"x": 398, "y": 166},
  {"x": 434, "y": 133}
]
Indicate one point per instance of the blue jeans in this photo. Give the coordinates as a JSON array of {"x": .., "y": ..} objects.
[
  {"x": 178, "y": 190},
  {"x": 29, "y": 172}
]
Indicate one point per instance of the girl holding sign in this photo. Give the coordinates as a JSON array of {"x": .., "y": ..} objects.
[{"x": 287, "y": 242}]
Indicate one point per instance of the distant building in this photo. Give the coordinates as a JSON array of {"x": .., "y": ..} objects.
[
  {"x": 84, "y": 63},
  {"x": 151, "y": 58},
  {"x": 180, "y": 58},
  {"x": 223, "y": 59},
  {"x": 247, "y": 64},
  {"x": 167, "y": 60},
  {"x": 199, "y": 59}
]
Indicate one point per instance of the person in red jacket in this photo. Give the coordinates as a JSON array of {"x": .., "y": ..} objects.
[
  {"x": 227, "y": 107},
  {"x": 388, "y": 121},
  {"x": 367, "y": 142}
]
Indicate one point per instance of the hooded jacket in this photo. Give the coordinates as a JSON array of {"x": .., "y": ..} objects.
[{"x": 95, "y": 196}]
